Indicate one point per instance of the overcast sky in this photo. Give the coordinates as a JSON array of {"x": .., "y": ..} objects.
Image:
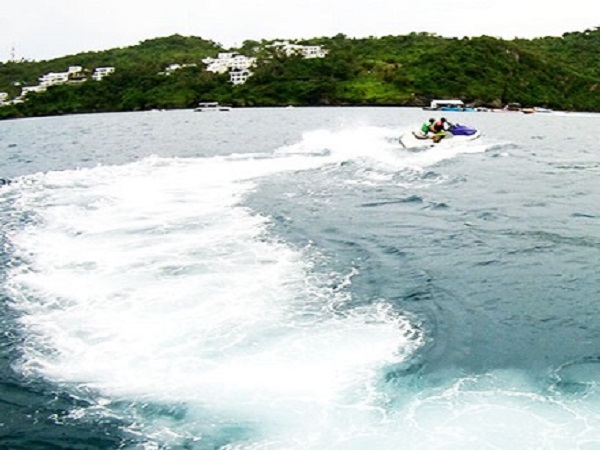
[{"x": 45, "y": 29}]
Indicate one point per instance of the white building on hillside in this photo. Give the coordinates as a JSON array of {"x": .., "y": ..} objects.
[
  {"x": 27, "y": 89},
  {"x": 237, "y": 65},
  {"x": 225, "y": 62},
  {"x": 239, "y": 76},
  {"x": 307, "y": 51},
  {"x": 101, "y": 72},
  {"x": 173, "y": 67},
  {"x": 3, "y": 97},
  {"x": 74, "y": 73},
  {"x": 52, "y": 78}
]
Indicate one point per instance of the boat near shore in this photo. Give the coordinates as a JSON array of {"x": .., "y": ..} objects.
[
  {"x": 211, "y": 107},
  {"x": 452, "y": 105},
  {"x": 439, "y": 105}
]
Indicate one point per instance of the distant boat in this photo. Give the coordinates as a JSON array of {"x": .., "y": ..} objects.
[
  {"x": 457, "y": 108},
  {"x": 535, "y": 109},
  {"x": 510, "y": 108},
  {"x": 452, "y": 105},
  {"x": 211, "y": 107}
]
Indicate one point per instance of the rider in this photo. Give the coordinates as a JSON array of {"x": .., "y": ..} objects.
[
  {"x": 439, "y": 129},
  {"x": 426, "y": 127}
]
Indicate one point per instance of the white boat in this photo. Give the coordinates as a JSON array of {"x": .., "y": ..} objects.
[
  {"x": 454, "y": 105},
  {"x": 210, "y": 107}
]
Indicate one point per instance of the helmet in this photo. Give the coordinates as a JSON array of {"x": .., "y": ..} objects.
[
  {"x": 443, "y": 119},
  {"x": 431, "y": 120}
]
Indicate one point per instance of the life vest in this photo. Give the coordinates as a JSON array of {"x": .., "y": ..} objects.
[{"x": 438, "y": 126}]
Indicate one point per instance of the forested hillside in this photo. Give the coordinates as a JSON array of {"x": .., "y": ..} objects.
[{"x": 555, "y": 72}]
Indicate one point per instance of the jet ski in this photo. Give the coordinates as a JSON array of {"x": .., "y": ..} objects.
[{"x": 456, "y": 133}]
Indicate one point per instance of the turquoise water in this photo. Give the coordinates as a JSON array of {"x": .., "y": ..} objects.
[{"x": 291, "y": 278}]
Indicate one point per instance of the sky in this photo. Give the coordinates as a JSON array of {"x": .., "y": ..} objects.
[{"x": 46, "y": 29}]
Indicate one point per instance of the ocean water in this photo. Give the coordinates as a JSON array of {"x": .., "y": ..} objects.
[{"x": 293, "y": 279}]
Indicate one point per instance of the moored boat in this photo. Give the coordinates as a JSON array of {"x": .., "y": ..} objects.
[
  {"x": 445, "y": 105},
  {"x": 210, "y": 107}
]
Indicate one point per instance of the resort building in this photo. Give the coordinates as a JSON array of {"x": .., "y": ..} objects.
[
  {"x": 27, "y": 89},
  {"x": 73, "y": 74},
  {"x": 101, "y": 72},
  {"x": 173, "y": 67},
  {"x": 237, "y": 65},
  {"x": 306, "y": 51},
  {"x": 239, "y": 76},
  {"x": 225, "y": 62}
]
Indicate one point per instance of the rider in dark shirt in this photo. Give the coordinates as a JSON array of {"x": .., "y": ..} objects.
[{"x": 439, "y": 128}]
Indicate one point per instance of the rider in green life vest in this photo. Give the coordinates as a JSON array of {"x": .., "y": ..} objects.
[{"x": 426, "y": 127}]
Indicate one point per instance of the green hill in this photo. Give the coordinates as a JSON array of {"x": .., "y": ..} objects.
[{"x": 554, "y": 72}]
